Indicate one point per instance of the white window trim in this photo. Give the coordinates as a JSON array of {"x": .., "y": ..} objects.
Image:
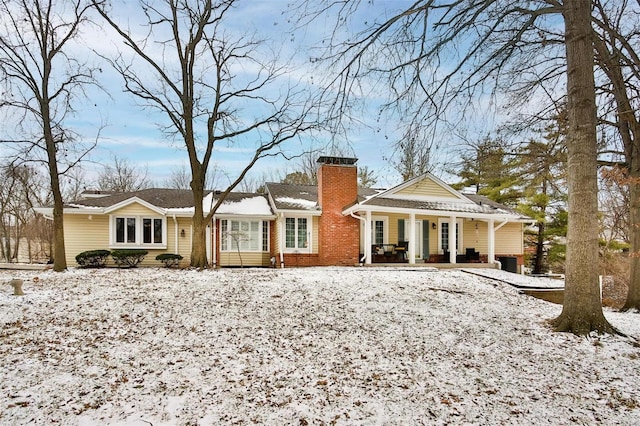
[
  {"x": 460, "y": 223},
  {"x": 139, "y": 233},
  {"x": 261, "y": 225},
  {"x": 309, "y": 248},
  {"x": 385, "y": 228}
]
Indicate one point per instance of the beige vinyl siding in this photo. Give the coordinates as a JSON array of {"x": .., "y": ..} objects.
[
  {"x": 427, "y": 188},
  {"x": 91, "y": 232},
  {"x": 84, "y": 232},
  {"x": 475, "y": 238},
  {"x": 509, "y": 239},
  {"x": 315, "y": 220},
  {"x": 184, "y": 243},
  {"x": 134, "y": 209},
  {"x": 231, "y": 258}
]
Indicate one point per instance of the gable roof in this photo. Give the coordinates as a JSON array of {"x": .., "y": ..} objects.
[{"x": 414, "y": 195}]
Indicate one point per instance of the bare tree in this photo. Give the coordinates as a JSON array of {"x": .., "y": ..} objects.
[
  {"x": 43, "y": 81},
  {"x": 195, "y": 82},
  {"x": 366, "y": 177},
  {"x": 23, "y": 189},
  {"x": 121, "y": 176},
  {"x": 582, "y": 308},
  {"x": 438, "y": 55},
  {"x": 180, "y": 178},
  {"x": 616, "y": 35}
]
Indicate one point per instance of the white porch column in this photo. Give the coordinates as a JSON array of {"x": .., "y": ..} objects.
[
  {"x": 215, "y": 242},
  {"x": 453, "y": 241},
  {"x": 412, "y": 238},
  {"x": 281, "y": 238},
  {"x": 367, "y": 237},
  {"x": 208, "y": 242},
  {"x": 491, "y": 241}
]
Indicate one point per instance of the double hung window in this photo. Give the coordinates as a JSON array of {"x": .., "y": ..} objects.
[{"x": 296, "y": 233}]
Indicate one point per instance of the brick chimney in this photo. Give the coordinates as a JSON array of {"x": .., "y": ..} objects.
[{"x": 339, "y": 236}]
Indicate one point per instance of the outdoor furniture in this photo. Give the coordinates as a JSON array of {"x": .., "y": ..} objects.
[
  {"x": 388, "y": 253},
  {"x": 472, "y": 255},
  {"x": 401, "y": 249}
]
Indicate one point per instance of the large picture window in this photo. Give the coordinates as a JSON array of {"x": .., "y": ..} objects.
[
  {"x": 296, "y": 233},
  {"x": 244, "y": 235},
  {"x": 138, "y": 231}
]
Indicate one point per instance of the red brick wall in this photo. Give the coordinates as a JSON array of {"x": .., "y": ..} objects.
[
  {"x": 292, "y": 260},
  {"x": 339, "y": 236}
]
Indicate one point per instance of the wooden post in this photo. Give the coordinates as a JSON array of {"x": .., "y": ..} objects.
[{"x": 17, "y": 287}]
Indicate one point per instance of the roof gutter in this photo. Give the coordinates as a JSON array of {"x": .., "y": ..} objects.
[{"x": 364, "y": 256}]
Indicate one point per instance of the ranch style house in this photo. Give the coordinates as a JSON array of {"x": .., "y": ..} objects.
[{"x": 422, "y": 220}]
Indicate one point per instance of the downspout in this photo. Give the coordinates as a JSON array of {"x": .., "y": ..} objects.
[
  {"x": 281, "y": 241},
  {"x": 364, "y": 256},
  {"x": 215, "y": 241}
]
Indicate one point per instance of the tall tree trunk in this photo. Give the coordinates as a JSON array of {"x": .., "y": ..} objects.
[
  {"x": 199, "y": 244},
  {"x": 582, "y": 309},
  {"x": 633, "y": 296},
  {"x": 59, "y": 253},
  {"x": 629, "y": 131}
]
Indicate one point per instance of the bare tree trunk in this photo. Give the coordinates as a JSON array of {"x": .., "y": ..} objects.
[
  {"x": 582, "y": 309},
  {"x": 633, "y": 296},
  {"x": 610, "y": 58},
  {"x": 59, "y": 253},
  {"x": 199, "y": 247}
]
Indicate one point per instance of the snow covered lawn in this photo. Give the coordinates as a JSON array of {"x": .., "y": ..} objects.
[{"x": 301, "y": 346}]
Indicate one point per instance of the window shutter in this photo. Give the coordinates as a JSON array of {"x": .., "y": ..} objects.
[
  {"x": 401, "y": 231},
  {"x": 425, "y": 239}
]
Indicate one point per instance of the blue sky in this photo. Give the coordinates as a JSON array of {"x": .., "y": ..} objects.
[{"x": 132, "y": 132}]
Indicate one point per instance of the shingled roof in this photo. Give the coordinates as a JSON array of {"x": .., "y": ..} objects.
[
  {"x": 160, "y": 197},
  {"x": 303, "y": 197}
]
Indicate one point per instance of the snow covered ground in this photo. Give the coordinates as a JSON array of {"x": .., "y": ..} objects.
[{"x": 310, "y": 346}]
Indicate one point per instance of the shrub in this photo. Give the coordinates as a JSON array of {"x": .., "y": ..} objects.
[
  {"x": 128, "y": 258},
  {"x": 169, "y": 259},
  {"x": 93, "y": 258}
]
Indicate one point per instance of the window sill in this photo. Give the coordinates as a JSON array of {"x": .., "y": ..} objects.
[
  {"x": 244, "y": 251},
  {"x": 138, "y": 246}
]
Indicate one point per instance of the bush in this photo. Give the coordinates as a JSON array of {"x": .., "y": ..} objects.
[
  {"x": 169, "y": 259},
  {"x": 93, "y": 258},
  {"x": 128, "y": 258}
]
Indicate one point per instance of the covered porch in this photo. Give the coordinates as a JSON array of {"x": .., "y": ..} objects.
[{"x": 459, "y": 239}]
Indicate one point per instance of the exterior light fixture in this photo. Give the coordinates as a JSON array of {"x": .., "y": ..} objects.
[{"x": 182, "y": 233}]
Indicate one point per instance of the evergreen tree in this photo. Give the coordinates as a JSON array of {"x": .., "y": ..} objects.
[
  {"x": 491, "y": 170},
  {"x": 542, "y": 171}
]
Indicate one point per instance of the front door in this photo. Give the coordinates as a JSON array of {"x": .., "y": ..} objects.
[{"x": 417, "y": 237}]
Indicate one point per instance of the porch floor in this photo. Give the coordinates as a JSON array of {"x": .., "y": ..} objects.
[{"x": 437, "y": 265}]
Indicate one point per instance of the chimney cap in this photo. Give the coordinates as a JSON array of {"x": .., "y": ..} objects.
[{"x": 337, "y": 160}]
